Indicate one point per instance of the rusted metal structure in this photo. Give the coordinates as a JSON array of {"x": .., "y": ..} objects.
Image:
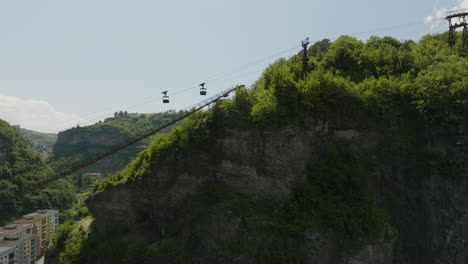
[{"x": 458, "y": 19}]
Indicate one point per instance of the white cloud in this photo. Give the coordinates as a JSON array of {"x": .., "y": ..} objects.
[
  {"x": 35, "y": 115},
  {"x": 439, "y": 14}
]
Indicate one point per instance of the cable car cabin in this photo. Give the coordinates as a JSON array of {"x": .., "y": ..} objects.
[
  {"x": 165, "y": 98},
  {"x": 202, "y": 89}
]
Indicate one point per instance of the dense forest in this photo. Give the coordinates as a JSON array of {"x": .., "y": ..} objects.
[
  {"x": 20, "y": 166},
  {"x": 82, "y": 143},
  {"x": 408, "y": 90},
  {"x": 39, "y": 142}
]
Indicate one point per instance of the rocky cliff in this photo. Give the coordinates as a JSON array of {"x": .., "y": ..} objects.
[{"x": 425, "y": 201}]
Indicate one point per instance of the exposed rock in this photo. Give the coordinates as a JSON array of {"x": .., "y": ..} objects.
[{"x": 428, "y": 208}]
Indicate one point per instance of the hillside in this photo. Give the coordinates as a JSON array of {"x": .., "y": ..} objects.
[
  {"x": 20, "y": 166},
  {"x": 363, "y": 160},
  {"x": 39, "y": 142},
  {"x": 81, "y": 143}
]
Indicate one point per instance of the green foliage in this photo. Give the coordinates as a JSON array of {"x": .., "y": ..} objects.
[
  {"x": 235, "y": 112},
  {"x": 345, "y": 58},
  {"x": 193, "y": 131},
  {"x": 442, "y": 92},
  {"x": 63, "y": 233},
  {"x": 19, "y": 167},
  {"x": 165, "y": 251},
  {"x": 78, "y": 211},
  {"x": 275, "y": 98},
  {"x": 319, "y": 48},
  {"x": 40, "y": 142},
  {"x": 322, "y": 89},
  {"x": 120, "y": 128},
  {"x": 82, "y": 246},
  {"x": 337, "y": 192}
]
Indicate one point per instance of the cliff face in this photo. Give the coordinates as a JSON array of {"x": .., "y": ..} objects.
[
  {"x": 107, "y": 137},
  {"x": 361, "y": 160},
  {"x": 423, "y": 190},
  {"x": 265, "y": 164},
  {"x": 87, "y": 143}
]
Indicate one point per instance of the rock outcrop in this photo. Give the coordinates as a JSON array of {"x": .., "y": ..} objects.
[{"x": 427, "y": 204}]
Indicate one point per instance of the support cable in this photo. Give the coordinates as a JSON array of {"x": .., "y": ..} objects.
[{"x": 31, "y": 188}]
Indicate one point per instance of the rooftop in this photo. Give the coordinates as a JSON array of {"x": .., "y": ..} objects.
[
  {"x": 48, "y": 211},
  {"x": 12, "y": 228},
  {"x": 12, "y": 241},
  {"x": 3, "y": 249}
]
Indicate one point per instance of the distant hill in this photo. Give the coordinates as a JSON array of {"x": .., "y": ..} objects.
[
  {"x": 40, "y": 142},
  {"x": 20, "y": 166},
  {"x": 81, "y": 143}
]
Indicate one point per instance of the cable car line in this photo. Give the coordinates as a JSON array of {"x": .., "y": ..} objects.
[
  {"x": 242, "y": 67},
  {"x": 184, "y": 114},
  {"x": 30, "y": 188}
]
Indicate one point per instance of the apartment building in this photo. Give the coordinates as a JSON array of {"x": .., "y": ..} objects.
[
  {"x": 53, "y": 222},
  {"x": 7, "y": 255},
  {"x": 36, "y": 231},
  {"x": 24, "y": 248},
  {"x": 39, "y": 224}
]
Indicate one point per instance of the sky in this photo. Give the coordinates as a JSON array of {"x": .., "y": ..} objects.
[{"x": 64, "y": 63}]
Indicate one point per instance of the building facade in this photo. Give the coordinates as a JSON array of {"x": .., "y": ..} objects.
[
  {"x": 24, "y": 248},
  {"x": 28, "y": 237},
  {"x": 7, "y": 255},
  {"x": 52, "y": 224},
  {"x": 39, "y": 227}
]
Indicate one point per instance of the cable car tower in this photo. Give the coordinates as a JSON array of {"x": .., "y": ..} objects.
[
  {"x": 457, "y": 19},
  {"x": 305, "y": 58}
]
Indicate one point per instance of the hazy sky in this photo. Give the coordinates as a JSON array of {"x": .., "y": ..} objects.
[{"x": 66, "y": 62}]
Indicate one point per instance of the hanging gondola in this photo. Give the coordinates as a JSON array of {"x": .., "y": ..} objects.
[
  {"x": 202, "y": 89},
  {"x": 165, "y": 98}
]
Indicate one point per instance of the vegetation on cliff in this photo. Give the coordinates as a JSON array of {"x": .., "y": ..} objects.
[
  {"x": 403, "y": 87},
  {"x": 391, "y": 81},
  {"x": 20, "y": 166}
]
